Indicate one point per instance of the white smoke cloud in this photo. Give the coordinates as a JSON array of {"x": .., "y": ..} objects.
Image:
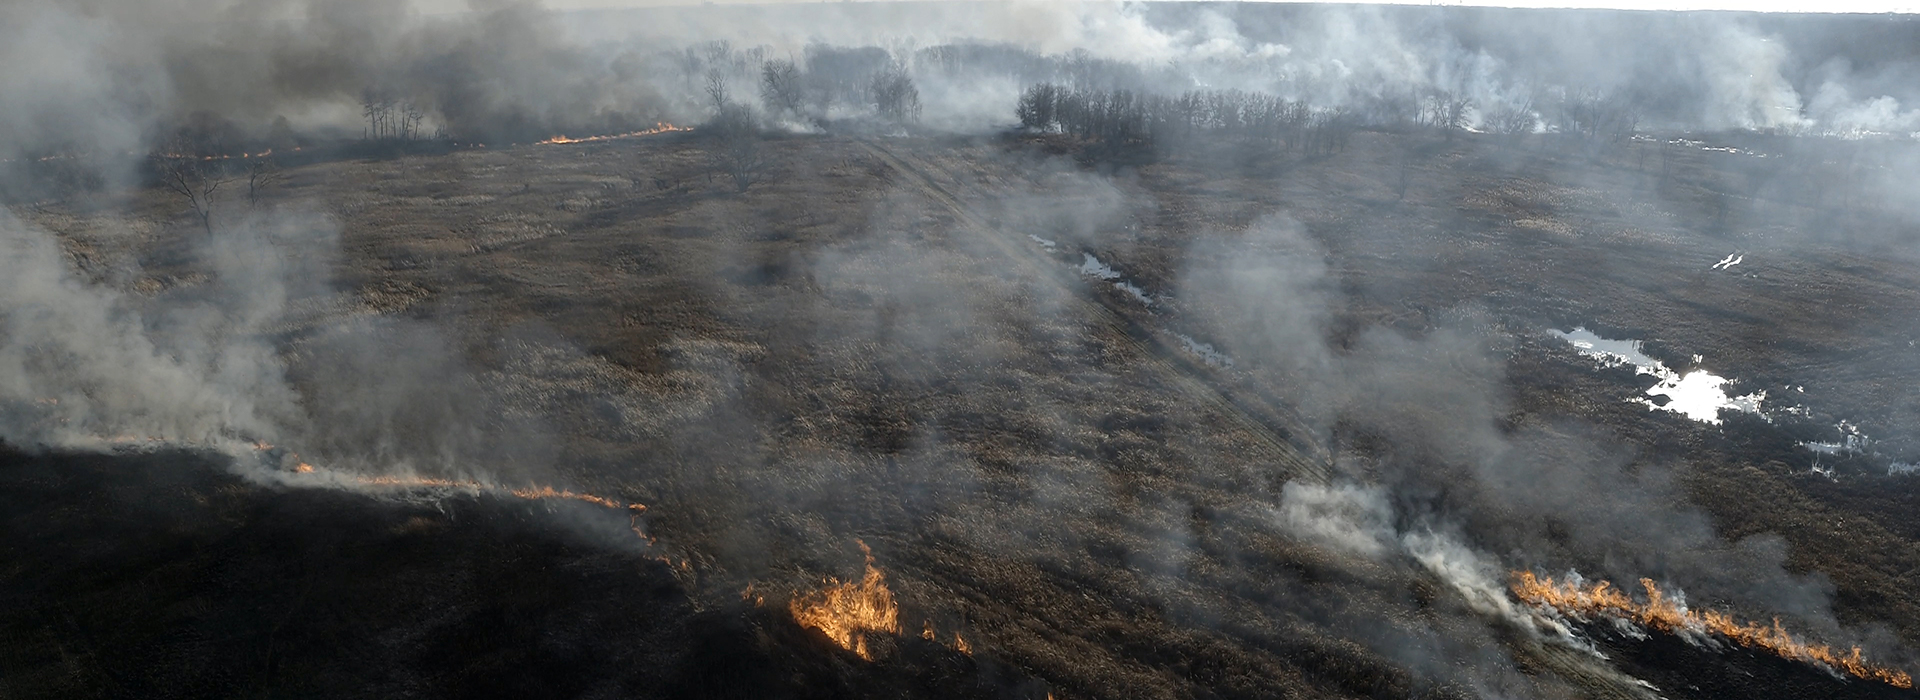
[
  {"x": 1746, "y": 85},
  {"x": 1347, "y": 517},
  {"x": 81, "y": 362}
]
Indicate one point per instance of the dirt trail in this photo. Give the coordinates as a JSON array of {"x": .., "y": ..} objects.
[{"x": 1291, "y": 446}]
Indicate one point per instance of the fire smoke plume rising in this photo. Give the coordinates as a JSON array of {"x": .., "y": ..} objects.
[
  {"x": 1662, "y": 613},
  {"x": 848, "y": 612}
]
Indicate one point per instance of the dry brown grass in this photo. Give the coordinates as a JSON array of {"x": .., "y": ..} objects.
[{"x": 854, "y": 348}]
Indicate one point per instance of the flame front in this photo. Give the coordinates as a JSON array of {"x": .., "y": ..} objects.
[
  {"x": 1661, "y": 613},
  {"x": 658, "y": 128},
  {"x": 960, "y": 644},
  {"x": 848, "y": 612},
  {"x": 531, "y": 492}
]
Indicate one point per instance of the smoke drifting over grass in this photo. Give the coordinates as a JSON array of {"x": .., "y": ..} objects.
[
  {"x": 85, "y": 362},
  {"x": 1441, "y": 473},
  {"x": 236, "y": 364},
  {"x": 902, "y": 330}
]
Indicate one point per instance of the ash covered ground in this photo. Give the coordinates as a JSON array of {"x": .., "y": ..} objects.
[{"x": 1072, "y": 351}]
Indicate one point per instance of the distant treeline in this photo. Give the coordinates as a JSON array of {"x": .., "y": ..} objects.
[
  {"x": 1129, "y": 118},
  {"x": 1136, "y": 118}
]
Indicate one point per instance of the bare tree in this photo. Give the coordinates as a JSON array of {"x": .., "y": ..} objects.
[
  {"x": 1453, "y": 112},
  {"x": 262, "y": 173},
  {"x": 389, "y": 117},
  {"x": 1513, "y": 120},
  {"x": 411, "y": 116},
  {"x": 735, "y": 147},
  {"x": 1036, "y": 108},
  {"x": 690, "y": 63},
  {"x": 192, "y": 169},
  {"x": 894, "y": 94},
  {"x": 717, "y": 89},
  {"x": 377, "y": 108},
  {"x": 781, "y": 88}
]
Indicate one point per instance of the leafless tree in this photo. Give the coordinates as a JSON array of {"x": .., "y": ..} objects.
[
  {"x": 1513, "y": 120},
  {"x": 781, "y": 88},
  {"x": 389, "y": 117},
  {"x": 735, "y": 146},
  {"x": 1453, "y": 112},
  {"x": 1036, "y": 108},
  {"x": 716, "y": 86},
  {"x": 262, "y": 172},
  {"x": 411, "y": 117},
  {"x": 192, "y": 169},
  {"x": 689, "y": 62},
  {"x": 377, "y": 107},
  {"x": 895, "y": 96}
]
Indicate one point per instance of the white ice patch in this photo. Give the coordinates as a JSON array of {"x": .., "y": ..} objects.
[
  {"x": 1134, "y": 291},
  {"x": 1206, "y": 351},
  {"x": 1851, "y": 441},
  {"x": 1699, "y": 395},
  {"x": 1044, "y": 243},
  {"x": 1092, "y": 267}
]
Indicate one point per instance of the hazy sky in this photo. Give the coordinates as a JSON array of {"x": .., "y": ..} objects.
[{"x": 1746, "y": 5}]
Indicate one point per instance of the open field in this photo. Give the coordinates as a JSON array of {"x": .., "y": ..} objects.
[{"x": 905, "y": 342}]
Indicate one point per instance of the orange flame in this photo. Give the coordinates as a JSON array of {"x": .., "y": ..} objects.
[
  {"x": 531, "y": 492},
  {"x": 847, "y": 612},
  {"x": 658, "y": 128},
  {"x": 545, "y": 492},
  {"x": 187, "y": 156},
  {"x": 1661, "y": 613},
  {"x": 960, "y": 644}
]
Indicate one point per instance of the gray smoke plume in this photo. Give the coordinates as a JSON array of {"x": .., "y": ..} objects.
[
  {"x": 1461, "y": 491},
  {"x": 84, "y": 361},
  {"x": 1449, "y": 480},
  {"x": 109, "y": 78}
]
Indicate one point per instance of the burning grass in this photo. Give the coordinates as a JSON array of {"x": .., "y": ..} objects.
[
  {"x": 1660, "y": 612},
  {"x": 847, "y": 612},
  {"x": 659, "y": 128},
  {"x": 530, "y": 492}
]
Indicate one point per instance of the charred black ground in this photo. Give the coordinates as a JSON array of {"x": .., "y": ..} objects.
[
  {"x": 161, "y": 575},
  {"x": 1681, "y": 668}
]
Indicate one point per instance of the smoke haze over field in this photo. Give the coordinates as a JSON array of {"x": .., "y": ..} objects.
[
  {"x": 113, "y": 76},
  {"x": 792, "y": 328}
]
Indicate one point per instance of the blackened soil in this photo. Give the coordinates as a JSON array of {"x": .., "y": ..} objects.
[
  {"x": 161, "y": 576},
  {"x": 1683, "y": 669}
]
